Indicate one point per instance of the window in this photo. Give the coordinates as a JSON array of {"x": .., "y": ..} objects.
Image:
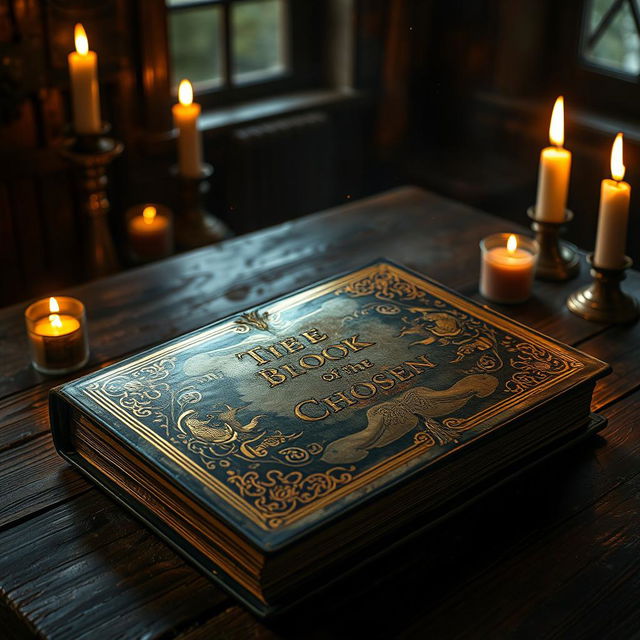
[
  {"x": 611, "y": 38},
  {"x": 227, "y": 44}
]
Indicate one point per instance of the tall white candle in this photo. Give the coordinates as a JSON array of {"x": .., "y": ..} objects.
[
  {"x": 85, "y": 94},
  {"x": 615, "y": 196},
  {"x": 185, "y": 117},
  {"x": 555, "y": 166}
]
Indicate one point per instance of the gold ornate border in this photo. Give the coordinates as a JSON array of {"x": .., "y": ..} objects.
[{"x": 366, "y": 476}]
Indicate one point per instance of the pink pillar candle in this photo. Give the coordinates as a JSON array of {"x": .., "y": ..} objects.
[{"x": 507, "y": 268}]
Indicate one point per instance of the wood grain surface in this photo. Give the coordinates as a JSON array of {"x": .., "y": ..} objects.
[{"x": 553, "y": 554}]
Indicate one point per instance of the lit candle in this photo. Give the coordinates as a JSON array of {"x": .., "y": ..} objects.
[
  {"x": 615, "y": 195},
  {"x": 85, "y": 95},
  {"x": 185, "y": 117},
  {"x": 507, "y": 267},
  {"x": 149, "y": 232},
  {"x": 553, "y": 176},
  {"x": 57, "y": 336}
]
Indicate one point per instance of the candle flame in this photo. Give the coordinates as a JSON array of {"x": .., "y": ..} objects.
[
  {"x": 80, "y": 36},
  {"x": 556, "y": 128},
  {"x": 617, "y": 164},
  {"x": 512, "y": 244},
  {"x": 54, "y": 318},
  {"x": 185, "y": 92},
  {"x": 149, "y": 214}
]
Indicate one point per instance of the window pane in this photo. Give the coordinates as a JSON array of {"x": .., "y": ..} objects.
[
  {"x": 194, "y": 39},
  {"x": 618, "y": 48},
  {"x": 258, "y": 45}
]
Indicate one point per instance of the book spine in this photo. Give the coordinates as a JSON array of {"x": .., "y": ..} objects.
[{"x": 60, "y": 414}]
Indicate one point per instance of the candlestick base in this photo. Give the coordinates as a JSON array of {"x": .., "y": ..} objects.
[
  {"x": 91, "y": 155},
  {"x": 603, "y": 300},
  {"x": 558, "y": 261},
  {"x": 194, "y": 226}
]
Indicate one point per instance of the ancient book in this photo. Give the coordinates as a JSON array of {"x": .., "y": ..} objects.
[{"x": 277, "y": 447}]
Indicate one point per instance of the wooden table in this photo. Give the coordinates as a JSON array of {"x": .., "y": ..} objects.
[{"x": 554, "y": 554}]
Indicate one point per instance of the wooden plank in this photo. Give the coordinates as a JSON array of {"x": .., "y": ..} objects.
[
  {"x": 619, "y": 346},
  {"x": 87, "y": 570},
  {"x": 33, "y": 478},
  {"x": 23, "y": 416},
  {"x": 149, "y": 305}
]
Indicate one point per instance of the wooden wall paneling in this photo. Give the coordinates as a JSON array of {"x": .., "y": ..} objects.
[
  {"x": 60, "y": 227},
  {"x": 11, "y": 280},
  {"x": 22, "y": 132},
  {"x": 52, "y": 114},
  {"x": 29, "y": 236},
  {"x": 7, "y": 27},
  {"x": 153, "y": 53}
]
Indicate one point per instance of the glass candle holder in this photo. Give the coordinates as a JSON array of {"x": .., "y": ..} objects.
[
  {"x": 149, "y": 232},
  {"x": 507, "y": 267},
  {"x": 58, "y": 340}
]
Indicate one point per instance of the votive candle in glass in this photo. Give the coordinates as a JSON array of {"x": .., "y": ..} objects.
[
  {"x": 508, "y": 264},
  {"x": 57, "y": 333},
  {"x": 150, "y": 232}
]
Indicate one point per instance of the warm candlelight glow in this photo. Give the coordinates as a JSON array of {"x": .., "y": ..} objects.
[
  {"x": 185, "y": 93},
  {"x": 556, "y": 128},
  {"x": 512, "y": 244},
  {"x": 617, "y": 165},
  {"x": 149, "y": 214},
  {"x": 82, "y": 44},
  {"x": 54, "y": 318}
]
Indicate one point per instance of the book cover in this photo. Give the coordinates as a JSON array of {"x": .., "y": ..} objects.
[{"x": 281, "y": 418}]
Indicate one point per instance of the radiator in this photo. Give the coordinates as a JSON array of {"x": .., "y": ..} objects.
[{"x": 280, "y": 170}]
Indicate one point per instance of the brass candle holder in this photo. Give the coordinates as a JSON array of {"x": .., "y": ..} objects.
[
  {"x": 557, "y": 260},
  {"x": 194, "y": 225},
  {"x": 91, "y": 156},
  {"x": 603, "y": 300}
]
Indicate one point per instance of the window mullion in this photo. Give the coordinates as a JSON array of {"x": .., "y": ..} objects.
[
  {"x": 226, "y": 43},
  {"x": 604, "y": 23}
]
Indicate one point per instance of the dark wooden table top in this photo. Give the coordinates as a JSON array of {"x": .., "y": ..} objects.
[{"x": 554, "y": 554}]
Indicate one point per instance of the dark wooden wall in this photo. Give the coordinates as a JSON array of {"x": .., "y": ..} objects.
[
  {"x": 40, "y": 225},
  {"x": 482, "y": 80},
  {"x": 454, "y": 96}
]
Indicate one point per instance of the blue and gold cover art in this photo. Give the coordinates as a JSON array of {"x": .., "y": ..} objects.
[{"x": 290, "y": 413}]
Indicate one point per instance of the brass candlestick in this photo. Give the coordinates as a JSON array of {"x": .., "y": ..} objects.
[
  {"x": 557, "y": 261},
  {"x": 194, "y": 226},
  {"x": 91, "y": 155},
  {"x": 603, "y": 300}
]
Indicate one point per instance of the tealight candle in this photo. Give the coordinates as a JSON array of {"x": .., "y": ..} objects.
[
  {"x": 149, "y": 232},
  {"x": 57, "y": 335},
  {"x": 507, "y": 267}
]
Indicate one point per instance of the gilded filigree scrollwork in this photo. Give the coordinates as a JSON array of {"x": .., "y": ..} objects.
[
  {"x": 277, "y": 494},
  {"x": 535, "y": 365},
  {"x": 384, "y": 284}
]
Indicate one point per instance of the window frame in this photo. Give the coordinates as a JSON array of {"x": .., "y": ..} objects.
[
  {"x": 595, "y": 87},
  {"x": 302, "y": 51}
]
